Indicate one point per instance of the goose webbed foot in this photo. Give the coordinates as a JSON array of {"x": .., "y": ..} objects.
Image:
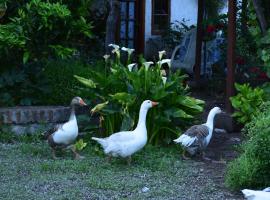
[
  {"x": 205, "y": 158},
  {"x": 129, "y": 161},
  {"x": 184, "y": 156},
  {"x": 77, "y": 156},
  {"x": 53, "y": 154},
  {"x": 109, "y": 159}
]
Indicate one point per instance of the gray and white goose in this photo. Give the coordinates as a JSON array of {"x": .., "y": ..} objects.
[
  {"x": 63, "y": 135},
  {"x": 197, "y": 137}
]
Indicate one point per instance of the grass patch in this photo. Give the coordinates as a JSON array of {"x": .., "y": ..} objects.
[{"x": 27, "y": 171}]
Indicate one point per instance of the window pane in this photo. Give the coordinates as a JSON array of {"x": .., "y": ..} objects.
[
  {"x": 160, "y": 22},
  {"x": 131, "y": 10},
  {"x": 123, "y": 10},
  {"x": 131, "y": 44},
  {"x": 161, "y": 7},
  {"x": 123, "y": 29},
  {"x": 131, "y": 30}
]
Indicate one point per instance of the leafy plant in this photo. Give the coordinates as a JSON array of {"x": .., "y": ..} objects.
[
  {"x": 80, "y": 145},
  {"x": 61, "y": 82},
  {"x": 121, "y": 89},
  {"x": 251, "y": 169},
  {"x": 246, "y": 102}
]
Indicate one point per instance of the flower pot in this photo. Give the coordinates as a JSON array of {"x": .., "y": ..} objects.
[{"x": 3, "y": 9}]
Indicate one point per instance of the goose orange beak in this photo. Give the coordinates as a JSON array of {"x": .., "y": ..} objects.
[
  {"x": 154, "y": 103},
  {"x": 82, "y": 103}
]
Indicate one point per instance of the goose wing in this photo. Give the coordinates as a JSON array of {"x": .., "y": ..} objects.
[
  {"x": 193, "y": 136},
  {"x": 123, "y": 136},
  {"x": 52, "y": 130}
]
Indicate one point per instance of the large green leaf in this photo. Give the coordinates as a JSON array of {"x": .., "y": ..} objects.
[
  {"x": 127, "y": 123},
  {"x": 177, "y": 113},
  {"x": 86, "y": 82},
  {"x": 123, "y": 98}
]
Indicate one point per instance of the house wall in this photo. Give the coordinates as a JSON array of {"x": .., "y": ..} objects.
[{"x": 180, "y": 9}]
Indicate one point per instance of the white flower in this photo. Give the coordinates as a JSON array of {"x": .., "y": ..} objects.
[
  {"x": 114, "y": 46},
  {"x": 147, "y": 64},
  {"x": 130, "y": 66},
  {"x": 106, "y": 57},
  {"x": 164, "y": 79},
  {"x": 130, "y": 51},
  {"x": 163, "y": 72},
  {"x": 161, "y": 53},
  {"x": 167, "y": 61}
]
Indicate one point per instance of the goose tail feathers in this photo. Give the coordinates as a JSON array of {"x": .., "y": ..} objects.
[
  {"x": 185, "y": 140},
  {"x": 101, "y": 141}
]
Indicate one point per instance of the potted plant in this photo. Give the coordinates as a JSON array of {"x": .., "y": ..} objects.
[{"x": 3, "y": 8}]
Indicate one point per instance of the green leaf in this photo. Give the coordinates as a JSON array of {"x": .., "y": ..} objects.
[
  {"x": 127, "y": 123},
  {"x": 99, "y": 107},
  {"x": 26, "y": 56},
  {"x": 86, "y": 82},
  {"x": 123, "y": 98},
  {"x": 79, "y": 145}
]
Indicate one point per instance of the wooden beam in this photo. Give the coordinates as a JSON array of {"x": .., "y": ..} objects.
[
  {"x": 197, "y": 67},
  {"x": 231, "y": 54}
]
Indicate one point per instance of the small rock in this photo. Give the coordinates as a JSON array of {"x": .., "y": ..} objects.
[
  {"x": 145, "y": 189},
  {"x": 235, "y": 139},
  {"x": 201, "y": 170}
]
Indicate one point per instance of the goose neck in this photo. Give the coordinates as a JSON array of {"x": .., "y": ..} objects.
[
  {"x": 210, "y": 120},
  {"x": 142, "y": 118},
  {"x": 72, "y": 113}
]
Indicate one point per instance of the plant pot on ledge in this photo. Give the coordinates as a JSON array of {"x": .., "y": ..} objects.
[{"x": 3, "y": 8}]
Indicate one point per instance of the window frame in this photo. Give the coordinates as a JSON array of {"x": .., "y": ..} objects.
[{"x": 154, "y": 31}]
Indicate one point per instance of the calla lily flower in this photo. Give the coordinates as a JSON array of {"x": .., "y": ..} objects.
[
  {"x": 161, "y": 53},
  {"x": 147, "y": 64},
  {"x": 167, "y": 61},
  {"x": 114, "y": 46},
  {"x": 106, "y": 57},
  {"x": 130, "y": 51},
  {"x": 130, "y": 66},
  {"x": 163, "y": 72},
  {"x": 164, "y": 79}
]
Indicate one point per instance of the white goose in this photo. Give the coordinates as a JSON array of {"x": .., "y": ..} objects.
[
  {"x": 197, "y": 137},
  {"x": 125, "y": 143},
  {"x": 257, "y": 194},
  {"x": 62, "y": 135}
]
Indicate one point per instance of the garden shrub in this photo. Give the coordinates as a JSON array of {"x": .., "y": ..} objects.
[
  {"x": 121, "y": 89},
  {"x": 246, "y": 102},
  {"x": 63, "y": 86},
  {"x": 34, "y": 32},
  {"x": 251, "y": 169}
]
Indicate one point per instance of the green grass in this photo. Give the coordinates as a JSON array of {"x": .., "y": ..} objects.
[{"x": 28, "y": 172}]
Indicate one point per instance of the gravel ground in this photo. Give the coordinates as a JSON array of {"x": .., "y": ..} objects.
[{"x": 28, "y": 172}]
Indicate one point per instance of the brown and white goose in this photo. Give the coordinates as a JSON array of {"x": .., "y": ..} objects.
[
  {"x": 63, "y": 135},
  {"x": 197, "y": 137}
]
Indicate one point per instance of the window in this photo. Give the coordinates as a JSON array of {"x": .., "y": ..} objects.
[
  {"x": 127, "y": 23},
  {"x": 160, "y": 16}
]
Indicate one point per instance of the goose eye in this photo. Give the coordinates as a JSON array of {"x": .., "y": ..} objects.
[{"x": 148, "y": 101}]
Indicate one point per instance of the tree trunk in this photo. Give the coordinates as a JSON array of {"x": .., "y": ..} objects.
[
  {"x": 111, "y": 24},
  {"x": 259, "y": 12}
]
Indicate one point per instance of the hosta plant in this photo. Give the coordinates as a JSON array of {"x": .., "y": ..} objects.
[{"x": 121, "y": 89}]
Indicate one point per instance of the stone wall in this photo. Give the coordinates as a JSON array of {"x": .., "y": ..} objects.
[
  {"x": 34, "y": 114},
  {"x": 32, "y": 119}
]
